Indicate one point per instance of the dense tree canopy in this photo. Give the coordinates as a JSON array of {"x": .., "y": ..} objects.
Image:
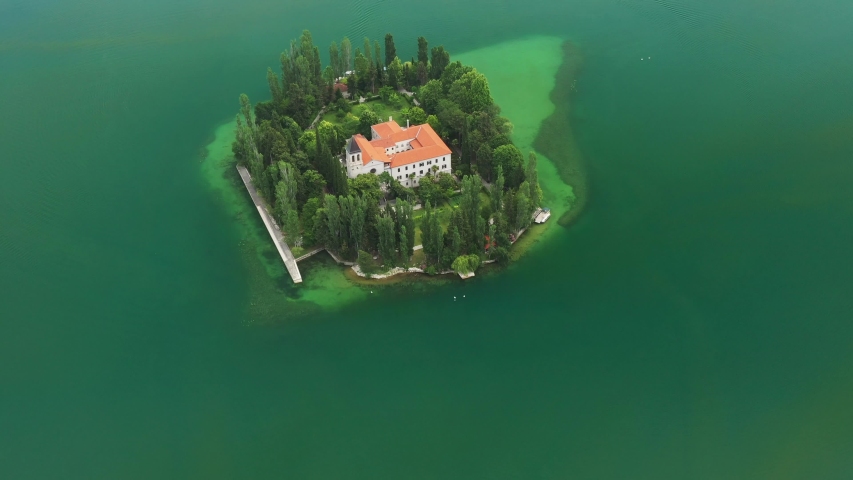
[{"x": 295, "y": 161}]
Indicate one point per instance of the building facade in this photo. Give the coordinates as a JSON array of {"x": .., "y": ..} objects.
[{"x": 407, "y": 154}]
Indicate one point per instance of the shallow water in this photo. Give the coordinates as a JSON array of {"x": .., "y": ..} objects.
[{"x": 694, "y": 322}]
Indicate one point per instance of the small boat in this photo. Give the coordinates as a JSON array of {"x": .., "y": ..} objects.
[{"x": 544, "y": 215}]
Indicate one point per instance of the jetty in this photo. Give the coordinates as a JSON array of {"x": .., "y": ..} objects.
[
  {"x": 272, "y": 227},
  {"x": 542, "y": 215}
]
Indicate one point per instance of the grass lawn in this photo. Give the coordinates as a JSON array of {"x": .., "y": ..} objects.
[{"x": 382, "y": 109}]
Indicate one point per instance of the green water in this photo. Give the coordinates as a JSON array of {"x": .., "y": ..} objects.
[{"x": 694, "y": 322}]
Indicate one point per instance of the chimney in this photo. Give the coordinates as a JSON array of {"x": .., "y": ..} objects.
[
  {"x": 390, "y": 118},
  {"x": 407, "y": 124}
]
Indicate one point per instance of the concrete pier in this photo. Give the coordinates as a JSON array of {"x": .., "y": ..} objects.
[{"x": 272, "y": 227}]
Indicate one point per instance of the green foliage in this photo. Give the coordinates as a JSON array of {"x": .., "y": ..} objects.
[
  {"x": 390, "y": 49},
  {"x": 366, "y": 185},
  {"x": 430, "y": 191},
  {"x": 532, "y": 177},
  {"x": 367, "y": 119},
  {"x": 415, "y": 115},
  {"x": 365, "y": 263},
  {"x": 387, "y": 238},
  {"x": 406, "y": 218},
  {"x": 386, "y": 92},
  {"x": 285, "y": 203},
  {"x": 309, "y": 215},
  {"x": 452, "y": 73},
  {"x": 465, "y": 264},
  {"x": 432, "y": 236},
  {"x": 469, "y": 207},
  {"x": 395, "y": 73},
  {"x": 471, "y": 92},
  {"x": 312, "y": 185},
  {"x": 346, "y": 56},
  {"x": 497, "y": 191},
  {"x": 522, "y": 209},
  {"x": 440, "y": 61},
  {"x": 423, "y": 50},
  {"x": 430, "y": 94},
  {"x": 510, "y": 160}
]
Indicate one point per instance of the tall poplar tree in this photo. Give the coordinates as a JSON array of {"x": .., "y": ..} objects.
[
  {"x": 387, "y": 247},
  {"x": 335, "y": 59},
  {"x": 333, "y": 223},
  {"x": 346, "y": 55},
  {"x": 423, "y": 50},
  {"x": 532, "y": 177},
  {"x": 275, "y": 86},
  {"x": 390, "y": 49}
]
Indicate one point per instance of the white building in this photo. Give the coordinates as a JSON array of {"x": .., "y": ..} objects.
[{"x": 402, "y": 152}]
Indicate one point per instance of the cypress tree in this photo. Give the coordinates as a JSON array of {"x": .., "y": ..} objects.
[{"x": 390, "y": 49}]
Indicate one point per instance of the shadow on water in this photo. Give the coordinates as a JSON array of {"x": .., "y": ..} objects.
[{"x": 556, "y": 139}]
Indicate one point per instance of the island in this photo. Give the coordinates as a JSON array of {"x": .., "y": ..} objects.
[{"x": 389, "y": 166}]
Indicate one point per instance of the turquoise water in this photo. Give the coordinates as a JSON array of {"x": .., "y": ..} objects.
[{"x": 693, "y": 323}]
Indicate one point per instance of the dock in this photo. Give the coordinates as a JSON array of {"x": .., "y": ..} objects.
[
  {"x": 542, "y": 215},
  {"x": 272, "y": 227}
]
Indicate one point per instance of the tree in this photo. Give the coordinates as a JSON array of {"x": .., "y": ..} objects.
[
  {"x": 377, "y": 53},
  {"x": 362, "y": 70},
  {"x": 387, "y": 241},
  {"x": 406, "y": 218},
  {"x": 275, "y": 86},
  {"x": 415, "y": 115},
  {"x": 423, "y": 50},
  {"x": 433, "y": 122},
  {"x": 358, "y": 209},
  {"x": 309, "y": 215},
  {"x": 430, "y": 192},
  {"x": 313, "y": 185},
  {"x": 335, "y": 59},
  {"x": 333, "y": 223},
  {"x": 497, "y": 191},
  {"x": 430, "y": 94},
  {"x": 509, "y": 158},
  {"x": 452, "y": 73},
  {"x": 469, "y": 206},
  {"x": 440, "y": 61},
  {"x": 395, "y": 73},
  {"x": 366, "y": 185},
  {"x": 522, "y": 210},
  {"x": 532, "y": 177},
  {"x": 285, "y": 203},
  {"x": 390, "y": 49},
  {"x": 346, "y": 56},
  {"x": 422, "y": 73},
  {"x": 431, "y": 235},
  {"x": 460, "y": 265},
  {"x": 365, "y": 263},
  {"x": 471, "y": 92},
  {"x": 484, "y": 161},
  {"x": 465, "y": 264},
  {"x": 367, "y": 119}
]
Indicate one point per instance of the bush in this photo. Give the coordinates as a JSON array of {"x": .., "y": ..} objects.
[{"x": 366, "y": 263}]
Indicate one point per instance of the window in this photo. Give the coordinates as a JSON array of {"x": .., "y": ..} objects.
[
  {"x": 399, "y": 177},
  {"x": 407, "y": 167},
  {"x": 421, "y": 164},
  {"x": 422, "y": 172},
  {"x": 372, "y": 170}
]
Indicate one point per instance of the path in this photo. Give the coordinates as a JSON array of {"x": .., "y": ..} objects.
[
  {"x": 272, "y": 227},
  {"x": 312, "y": 252},
  {"x": 317, "y": 119}
]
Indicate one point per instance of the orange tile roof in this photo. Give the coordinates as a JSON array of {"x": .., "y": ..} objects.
[
  {"x": 386, "y": 129},
  {"x": 425, "y": 143}
]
